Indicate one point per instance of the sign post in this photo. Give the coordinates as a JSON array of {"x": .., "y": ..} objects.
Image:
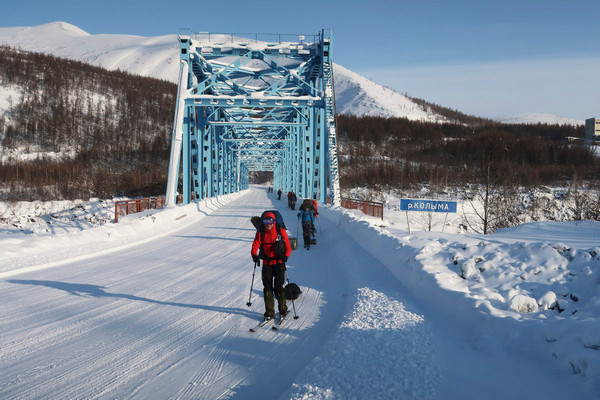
[{"x": 438, "y": 206}]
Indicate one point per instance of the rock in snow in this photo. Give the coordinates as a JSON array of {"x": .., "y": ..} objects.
[{"x": 523, "y": 304}]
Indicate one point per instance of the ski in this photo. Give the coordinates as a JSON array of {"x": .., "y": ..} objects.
[
  {"x": 277, "y": 325},
  {"x": 279, "y": 322},
  {"x": 265, "y": 322}
]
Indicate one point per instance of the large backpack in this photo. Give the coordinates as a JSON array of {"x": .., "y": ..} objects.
[{"x": 307, "y": 204}]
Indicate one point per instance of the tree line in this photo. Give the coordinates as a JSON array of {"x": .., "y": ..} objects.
[
  {"x": 400, "y": 153},
  {"x": 116, "y": 127}
]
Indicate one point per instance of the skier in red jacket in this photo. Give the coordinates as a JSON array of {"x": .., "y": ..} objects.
[{"x": 274, "y": 248}]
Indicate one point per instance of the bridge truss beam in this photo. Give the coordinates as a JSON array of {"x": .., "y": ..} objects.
[{"x": 254, "y": 105}]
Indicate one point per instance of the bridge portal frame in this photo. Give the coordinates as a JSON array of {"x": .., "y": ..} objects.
[{"x": 253, "y": 105}]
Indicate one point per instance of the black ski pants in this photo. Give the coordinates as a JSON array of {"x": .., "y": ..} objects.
[
  {"x": 306, "y": 232},
  {"x": 273, "y": 278}
]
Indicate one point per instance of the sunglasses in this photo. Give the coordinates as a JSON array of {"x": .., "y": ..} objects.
[{"x": 268, "y": 221}]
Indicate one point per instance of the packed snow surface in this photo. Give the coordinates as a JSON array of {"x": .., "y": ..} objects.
[{"x": 154, "y": 307}]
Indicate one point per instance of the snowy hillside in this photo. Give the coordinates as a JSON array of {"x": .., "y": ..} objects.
[
  {"x": 357, "y": 95},
  {"x": 157, "y": 57},
  {"x": 535, "y": 118}
]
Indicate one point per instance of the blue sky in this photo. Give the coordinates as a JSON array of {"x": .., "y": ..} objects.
[{"x": 487, "y": 58}]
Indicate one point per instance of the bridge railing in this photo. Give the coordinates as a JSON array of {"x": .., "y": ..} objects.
[
  {"x": 372, "y": 208},
  {"x": 126, "y": 207}
]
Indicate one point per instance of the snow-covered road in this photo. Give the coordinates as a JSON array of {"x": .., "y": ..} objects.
[{"x": 167, "y": 319}]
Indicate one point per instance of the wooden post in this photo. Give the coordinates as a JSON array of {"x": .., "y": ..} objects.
[{"x": 444, "y": 226}]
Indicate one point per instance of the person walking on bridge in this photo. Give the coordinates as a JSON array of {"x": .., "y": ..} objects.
[
  {"x": 273, "y": 247},
  {"x": 307, "y": 218}
]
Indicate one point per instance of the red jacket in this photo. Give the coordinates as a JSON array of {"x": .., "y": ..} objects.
[{"x": 269, "y": 244}]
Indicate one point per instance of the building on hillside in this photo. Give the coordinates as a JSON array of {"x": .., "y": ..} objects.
[{"x": 592, "y": 130}]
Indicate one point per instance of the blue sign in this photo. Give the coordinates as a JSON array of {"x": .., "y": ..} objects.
[{"x": 428, "y": 205}]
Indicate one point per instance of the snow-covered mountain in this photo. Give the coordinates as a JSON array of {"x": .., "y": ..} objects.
[
  {"x": 357, "y": 95},
  {"x": 157, "y": 57},
  {"x": 535, "y": 118}
]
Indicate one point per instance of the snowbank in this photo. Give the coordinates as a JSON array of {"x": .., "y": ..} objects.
[
  {"x": 540, "y": 295},
  {"x": 79, "y": 239}
]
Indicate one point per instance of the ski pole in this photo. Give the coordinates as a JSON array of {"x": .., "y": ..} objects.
[
  {"x": 249, "y": 303},
  {"x": 293, "y": 305}
]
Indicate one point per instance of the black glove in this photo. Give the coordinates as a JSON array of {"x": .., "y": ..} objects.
[
  {"x": 284, "y": 259},
  {"x": 255, "y": 258}
]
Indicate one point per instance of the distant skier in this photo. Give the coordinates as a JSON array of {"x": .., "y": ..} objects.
[
  {"x": 279, "y": 194},
  {"x": 310, "y": 204},
  {"x": 292, "y": 200},
  {"x": 273, "y": 245},
  {"x": 307, "y": 218}
]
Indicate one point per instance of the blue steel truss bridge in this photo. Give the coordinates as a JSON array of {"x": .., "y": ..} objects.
[{"x": 254, "y": 102}]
